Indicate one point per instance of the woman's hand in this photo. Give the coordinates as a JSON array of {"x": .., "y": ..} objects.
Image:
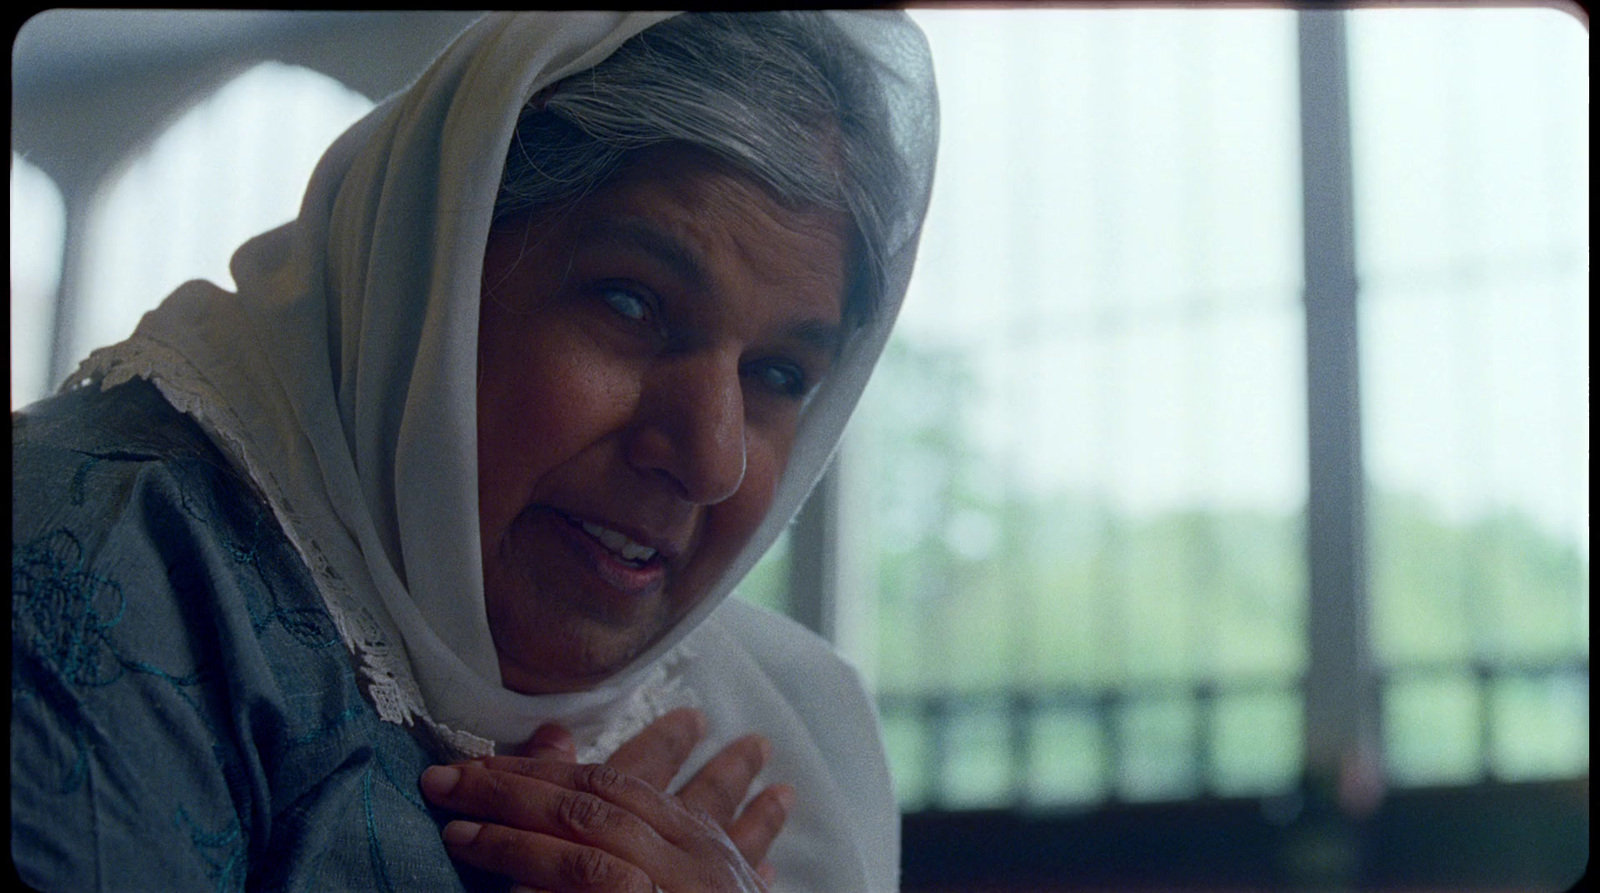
[
  {"x": 656, "y": 754},
  {"x": 552, "y": 824}
]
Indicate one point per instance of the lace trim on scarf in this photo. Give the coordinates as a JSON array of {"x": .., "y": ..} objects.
[
  {"x": 661, "y": 689},
  {"x": 383, "y": 663}
]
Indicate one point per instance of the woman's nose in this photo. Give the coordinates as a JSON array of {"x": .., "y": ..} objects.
[{"x": 691, "y": 427}]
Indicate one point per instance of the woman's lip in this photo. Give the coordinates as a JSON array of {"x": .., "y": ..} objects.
[
  {"x": 637, "y": 580},
  {"x": 667, "y": 547},
  {"x": 631, "y": 550}
]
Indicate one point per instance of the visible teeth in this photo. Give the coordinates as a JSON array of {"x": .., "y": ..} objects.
[{"x": 618, "y": 543}]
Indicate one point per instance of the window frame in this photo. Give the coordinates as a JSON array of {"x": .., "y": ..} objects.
[{"x": 1341, "y": 827}]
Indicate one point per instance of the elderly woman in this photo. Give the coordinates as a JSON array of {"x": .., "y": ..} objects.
[{"x": 407, "y": 566}]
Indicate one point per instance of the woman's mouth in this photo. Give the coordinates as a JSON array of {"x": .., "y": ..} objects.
[
  {"x": 624, "y": 548},
  {"x": 620, "y": 562}
]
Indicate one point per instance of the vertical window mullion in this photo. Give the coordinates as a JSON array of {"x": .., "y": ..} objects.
[
  {"x": 1342, "y": 732},
  {"x": 68, "y": 299},
  {"x": 814, "y": 559}
]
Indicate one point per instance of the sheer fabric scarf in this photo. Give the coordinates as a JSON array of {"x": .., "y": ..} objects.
[{"x": 341, "y": 376}]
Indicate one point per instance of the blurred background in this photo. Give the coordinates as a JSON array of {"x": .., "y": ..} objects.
[{"x": 1219, "y": 517}]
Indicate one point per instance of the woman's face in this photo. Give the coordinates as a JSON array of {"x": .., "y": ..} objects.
[{"x": 643, "y": 359}]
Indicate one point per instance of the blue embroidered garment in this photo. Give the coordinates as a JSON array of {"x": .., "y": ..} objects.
[{"x": 184, "y": 715}]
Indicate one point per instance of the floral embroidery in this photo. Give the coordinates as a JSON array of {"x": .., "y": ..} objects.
[
  {"x": 62, "y": 613},
  {"x": 79, "y": 627},
  {"x": 222, "y": 851}
]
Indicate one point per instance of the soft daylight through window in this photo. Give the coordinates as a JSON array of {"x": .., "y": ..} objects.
[{"x": 1074, "y": 542}]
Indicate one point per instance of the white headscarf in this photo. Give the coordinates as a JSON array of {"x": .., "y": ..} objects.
[{"x": 342, "y": 375}]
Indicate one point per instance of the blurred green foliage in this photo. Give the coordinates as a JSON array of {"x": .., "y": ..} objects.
[{"x": 980, "y": 589}]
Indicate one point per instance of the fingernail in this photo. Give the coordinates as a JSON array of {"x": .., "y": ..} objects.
[
  {"x": 439, "y": 781},
  {"x": 765, "y": 748},
  {"x": 784, "y": 795},
  {"x": 549, "y": 735},
  {"x": 461, "y": 833},
  {"x": 546, "y": 738}
]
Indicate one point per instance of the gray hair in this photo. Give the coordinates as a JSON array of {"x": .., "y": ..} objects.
[{"x": 785, "y": 97}]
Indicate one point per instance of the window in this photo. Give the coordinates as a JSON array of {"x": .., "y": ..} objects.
[
  {"x": 1074, "y": 507},
  {"x": 228, "y": 169},
  {"x": 1472, "y": 206},
  {"x": 1088, "y": 579},
  {"x": 38, "y": 227}
]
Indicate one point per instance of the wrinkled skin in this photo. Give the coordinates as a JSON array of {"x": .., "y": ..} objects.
[
  {"x": 552, "y": 824},
  {"x": 643, "y": 359}
]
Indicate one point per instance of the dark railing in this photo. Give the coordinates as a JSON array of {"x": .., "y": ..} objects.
[
  {"x": 935, "y": 714},
  {"x": 1486, "y": 834}
]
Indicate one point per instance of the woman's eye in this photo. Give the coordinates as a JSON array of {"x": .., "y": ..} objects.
[
  {"x": 628, "y": 304},
  {"x": 786, "y": 379}
]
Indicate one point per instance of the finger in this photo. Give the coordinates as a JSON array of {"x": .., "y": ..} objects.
[
  {"x": 540, "y": 861},
  {"x": 594, "y": 807},
  {"x": 760, "y": 821},
  {"x": 594, "y": 804},
  {"x": 720, "y": 786},
  {"x": 657, "y": 753},
  {"x": 598, "y": 807},
  {"x": 587, "y": 804},
  {"x": 758, "y": 825},
  {"x": 550, "y": 741}
]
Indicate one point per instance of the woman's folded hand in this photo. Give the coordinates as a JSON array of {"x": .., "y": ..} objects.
[{"x": 550, "y": 823}]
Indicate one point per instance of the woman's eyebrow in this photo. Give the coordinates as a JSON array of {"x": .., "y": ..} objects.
[
  {"x": 823, "y": 337},
  {"x": 685, "y": 263},
  {"x": 633, "y": 232}
]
